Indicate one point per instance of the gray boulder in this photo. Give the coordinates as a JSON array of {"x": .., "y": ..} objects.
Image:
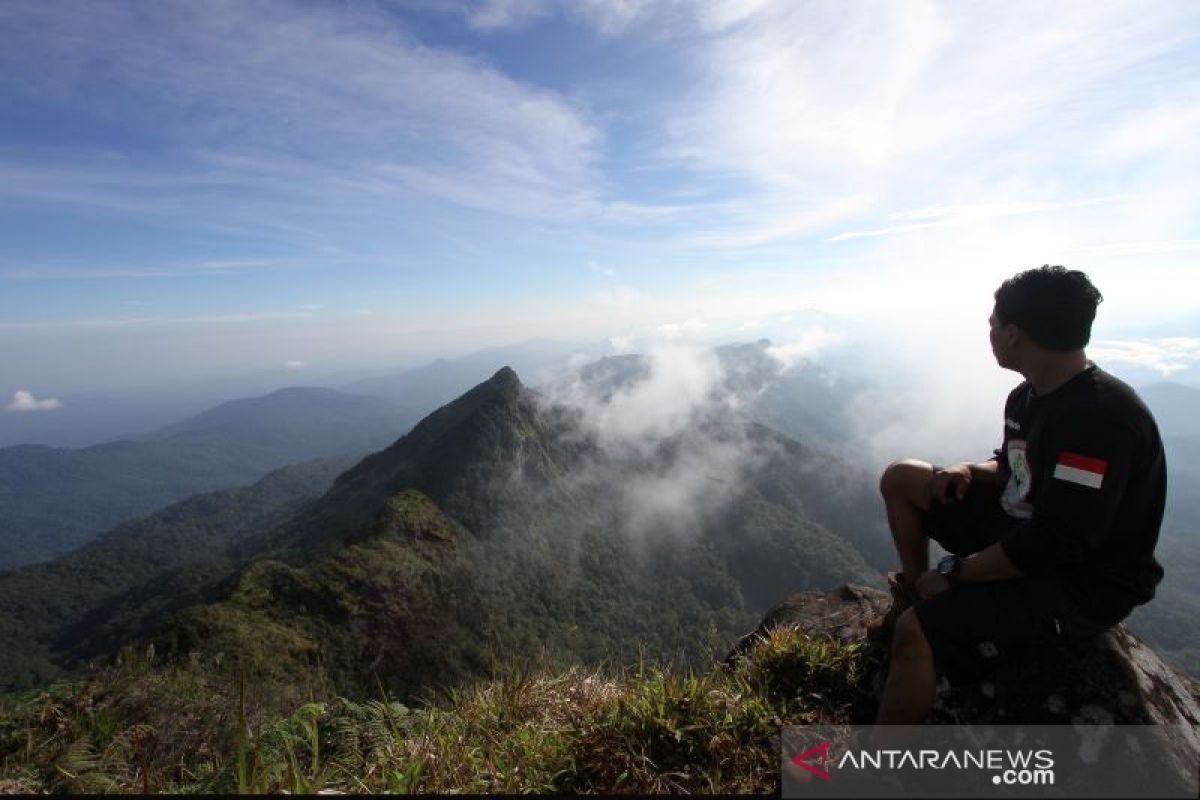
[{"x": 1114, "y": 679}]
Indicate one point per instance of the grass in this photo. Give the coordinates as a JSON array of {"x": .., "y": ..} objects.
[{"x": 648, "y": 728}]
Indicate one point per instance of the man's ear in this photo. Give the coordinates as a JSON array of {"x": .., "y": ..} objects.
[{"x": 1013, "y": 335}]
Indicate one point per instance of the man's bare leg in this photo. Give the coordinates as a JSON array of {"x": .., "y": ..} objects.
[
  {"x": 907, "y": 489},
  {"x": 912, "y": 677}
]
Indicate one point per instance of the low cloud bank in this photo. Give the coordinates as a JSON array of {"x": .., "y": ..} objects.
[
  {"x": 24, "y": 401},
  {"x": 1165, "y": 356},
  {"x": 660, "y": 420}
]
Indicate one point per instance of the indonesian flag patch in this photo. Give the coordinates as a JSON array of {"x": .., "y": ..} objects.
[{"x": 1084, "y": 470}]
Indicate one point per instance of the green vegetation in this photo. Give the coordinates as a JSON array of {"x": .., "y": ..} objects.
[
  {"x": 397, "y": 604},
  {"x": 56, "y": 616},
  {"x": 495, "y": 534},
  {"x": 649, "y": 728}
]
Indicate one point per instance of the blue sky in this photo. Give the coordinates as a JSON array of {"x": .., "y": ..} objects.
[{"x": 193, "y": 189}]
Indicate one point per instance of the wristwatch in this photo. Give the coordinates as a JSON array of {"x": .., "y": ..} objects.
[{"x": 949, "y": 566}]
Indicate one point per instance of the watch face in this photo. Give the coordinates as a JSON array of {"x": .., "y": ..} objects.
[{"x": 947, "y": 564}]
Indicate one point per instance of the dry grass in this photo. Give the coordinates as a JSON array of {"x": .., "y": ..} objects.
[{"x": 647, "y": 729}]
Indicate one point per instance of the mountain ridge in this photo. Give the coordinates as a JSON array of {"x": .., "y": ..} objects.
[
  {"x": 542, "y": 541},
  {"x": 53, "y": 500},
  {"x": 55, "y": 615}
]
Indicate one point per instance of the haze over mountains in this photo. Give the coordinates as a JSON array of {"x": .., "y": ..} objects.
[
  {"x": 53, "y": 500},
  {"x": 503, "y": 522},
  {"x": 633, "y": 498},
  {"x": 87, "y": 418}
]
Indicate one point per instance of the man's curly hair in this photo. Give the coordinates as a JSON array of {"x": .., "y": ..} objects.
[{"x": 1054, "y": 306}]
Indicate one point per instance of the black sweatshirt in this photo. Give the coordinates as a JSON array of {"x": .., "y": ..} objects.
[{"x": 1089, "y": 482}]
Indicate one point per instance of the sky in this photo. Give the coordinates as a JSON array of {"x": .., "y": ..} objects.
[{"x": 192, "y": 190}]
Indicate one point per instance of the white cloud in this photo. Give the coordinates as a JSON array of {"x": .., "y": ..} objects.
[
  {"x": 766, "y": 219},
  {"x": 607, "y": 272},
  {"x": 1153, "y": 131},
  {"x": 951, "y": 215},
  {"x": 807, "y": 345},
  {"x": 801, "y": 92},
  {"x": 678, "y": 330},
  {"x": 679, "y": 382},
  {"x": 703, "y": 476},
  {"x": 606, "y": 17},
  {"x": 498, "y": 15},
  {"x": 879, "y": 107},
  {"x": 23, "y": 401},
  {"x": 669, "y": 471},
  {"x": 166, "y": 270},
  {"x": 1137, "y": 248},
  {"x": 295, "y": 364},
  {"x": 137, "y": 322},
  {"x": 1165, "y": 356},
  {"x": 620, "y": 344},
  {"x": 244, "y": 91},
  {"x": 611, "y": 17},
  {"x": 677, "y": 385}
]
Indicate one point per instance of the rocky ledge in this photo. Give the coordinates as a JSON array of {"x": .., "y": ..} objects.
[{"x": 1114, "y": 679}]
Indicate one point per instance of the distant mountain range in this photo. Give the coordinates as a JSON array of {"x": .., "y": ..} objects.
[
  {"x": 499, "y": 524},
  {"x": 444, "y": 379},
  {"x": 803, "y": 400},
  {"x": 98, "y": 417},
  {"x": 1176, "y": 407},
  {"x": 53, "y": 500}
]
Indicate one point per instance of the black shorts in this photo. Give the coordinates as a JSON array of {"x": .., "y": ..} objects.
[{"x": 971, "y": 627}]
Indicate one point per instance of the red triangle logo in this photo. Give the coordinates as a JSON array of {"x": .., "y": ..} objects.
[{"x": 823, "y": 749}]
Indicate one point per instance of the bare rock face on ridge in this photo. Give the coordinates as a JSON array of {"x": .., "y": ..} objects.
[
  {"x": 841, "y": 615},
  {"x": 1114, "y": 679}
]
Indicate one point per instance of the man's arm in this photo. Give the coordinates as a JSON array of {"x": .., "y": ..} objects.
[
  {"x": 955, "y": 480},
  {"x": 989, "y": 473},
  {"x": 989, "y": 564}
]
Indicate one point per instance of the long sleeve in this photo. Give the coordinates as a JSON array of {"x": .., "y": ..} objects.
[{"x": 1083, "y": 472}]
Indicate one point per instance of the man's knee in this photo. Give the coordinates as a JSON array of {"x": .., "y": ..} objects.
[
  {"x": 908, "y": 639},
  {"x": 905, "y": 478}
]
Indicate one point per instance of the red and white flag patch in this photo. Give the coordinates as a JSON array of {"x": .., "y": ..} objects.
[{"x": 1084, "y": 470}]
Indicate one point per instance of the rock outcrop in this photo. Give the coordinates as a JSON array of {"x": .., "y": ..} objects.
[
  {"x": 1114, "y": 679},
  {"x": 841, "y": 615}
]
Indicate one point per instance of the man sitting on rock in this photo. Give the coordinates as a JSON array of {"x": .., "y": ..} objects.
[{"x": 1052, "y": 539}]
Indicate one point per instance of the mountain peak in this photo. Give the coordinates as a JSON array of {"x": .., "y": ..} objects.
[
  {"x": 493, "y": 426},
  {"x": 505, "y": 377},
  {"x": 503, "y": 387}
]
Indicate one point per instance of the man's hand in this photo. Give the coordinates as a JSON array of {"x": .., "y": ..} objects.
[
  {"x": 951, "y": 483},
  {"x": 930, "y": 583}
]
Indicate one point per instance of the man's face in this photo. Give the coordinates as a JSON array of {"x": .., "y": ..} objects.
[{"x": 999, "y": 336}]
